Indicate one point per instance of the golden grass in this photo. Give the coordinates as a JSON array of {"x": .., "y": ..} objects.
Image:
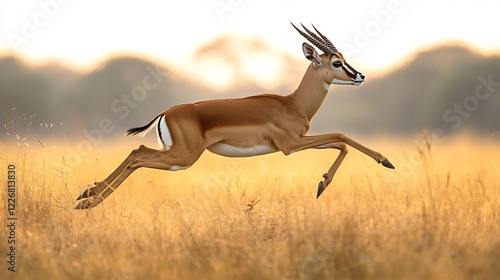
[{"x": 435, "y": 217}]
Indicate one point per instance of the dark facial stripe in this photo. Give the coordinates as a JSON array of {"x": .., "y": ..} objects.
[
  {"x": 349, "y": 70},
  {"x": 352, "y": 73}
]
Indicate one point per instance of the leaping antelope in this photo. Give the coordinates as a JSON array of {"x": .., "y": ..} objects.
[{"x": 245, "y": 127}]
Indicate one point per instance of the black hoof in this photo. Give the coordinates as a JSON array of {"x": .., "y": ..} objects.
[
  {"x": 321, "y": 188},
  {"x": 89, "y": 203},
  {"x": 388, "y": 164},
  {"x": 84, "y": 194},
  {"x": 83, "y": 205}
]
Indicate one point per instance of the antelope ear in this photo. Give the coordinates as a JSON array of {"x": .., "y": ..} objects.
[{"x": 311, "y": 54}]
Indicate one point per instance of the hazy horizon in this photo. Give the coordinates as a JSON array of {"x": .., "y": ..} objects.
[{"x": 206, "y": 78}]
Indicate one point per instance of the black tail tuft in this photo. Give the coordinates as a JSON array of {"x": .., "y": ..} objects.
[
  {"x": 136, "y": 130},
  {"x": 141, "y": 129}
]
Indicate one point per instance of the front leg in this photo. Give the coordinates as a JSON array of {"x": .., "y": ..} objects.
[
  {"x": 331, "y": 172},
  {"x": 335, "y": 141},
  {"x": 317, "y": 141}
]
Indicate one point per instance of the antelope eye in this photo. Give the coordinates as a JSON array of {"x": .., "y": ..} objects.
[{"x": 337, "y": 64}]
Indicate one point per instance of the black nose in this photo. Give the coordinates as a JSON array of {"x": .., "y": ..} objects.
[{"x": 362, "y": 76}]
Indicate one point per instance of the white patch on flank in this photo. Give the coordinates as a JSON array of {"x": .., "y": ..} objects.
[
  {"x": 178, "y": 167},
  {"x": 232, "y": 151},
  {"x": 164, "y": 137}
]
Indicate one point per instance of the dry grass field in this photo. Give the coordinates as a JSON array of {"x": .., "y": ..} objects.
[{"x": 435, "y": 217}]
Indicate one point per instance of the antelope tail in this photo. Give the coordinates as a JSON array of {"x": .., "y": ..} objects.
[{"x": 142, "y": 130}]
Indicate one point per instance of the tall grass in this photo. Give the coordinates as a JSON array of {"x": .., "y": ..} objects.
[{"x": 257, "y": 218}]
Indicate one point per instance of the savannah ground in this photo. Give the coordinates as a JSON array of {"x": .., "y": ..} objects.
[{"x": 435, "y": 217}]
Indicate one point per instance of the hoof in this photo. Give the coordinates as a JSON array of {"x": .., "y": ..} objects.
[
  {"x": 321, "y": 188},
  {"x": 388, "y": 164},
  {"x": 84, "y": 194},
  {"x": 89, "y": 203},
  {"x": 90, "y": 192},
  {"x": 82, "y": 205}
]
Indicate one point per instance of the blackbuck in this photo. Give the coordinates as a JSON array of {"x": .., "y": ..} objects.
[{"x": 245, "y": 127}]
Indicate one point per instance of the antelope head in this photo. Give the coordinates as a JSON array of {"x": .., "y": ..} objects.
[{"x": 334, "y": 67}]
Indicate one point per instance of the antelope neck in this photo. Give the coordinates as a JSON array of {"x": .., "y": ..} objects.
[{"x": 310, "y": 93}]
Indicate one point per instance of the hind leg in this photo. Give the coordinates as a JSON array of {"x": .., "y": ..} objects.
[
  {"x": 156, "y": 159},
  {"x": 100, "y": 186}
]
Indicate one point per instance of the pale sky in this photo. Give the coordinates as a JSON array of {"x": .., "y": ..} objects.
[{"x": 374, "y": 35}]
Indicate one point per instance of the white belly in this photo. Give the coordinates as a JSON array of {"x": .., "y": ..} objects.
[{"x": 232, "y": 151}]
